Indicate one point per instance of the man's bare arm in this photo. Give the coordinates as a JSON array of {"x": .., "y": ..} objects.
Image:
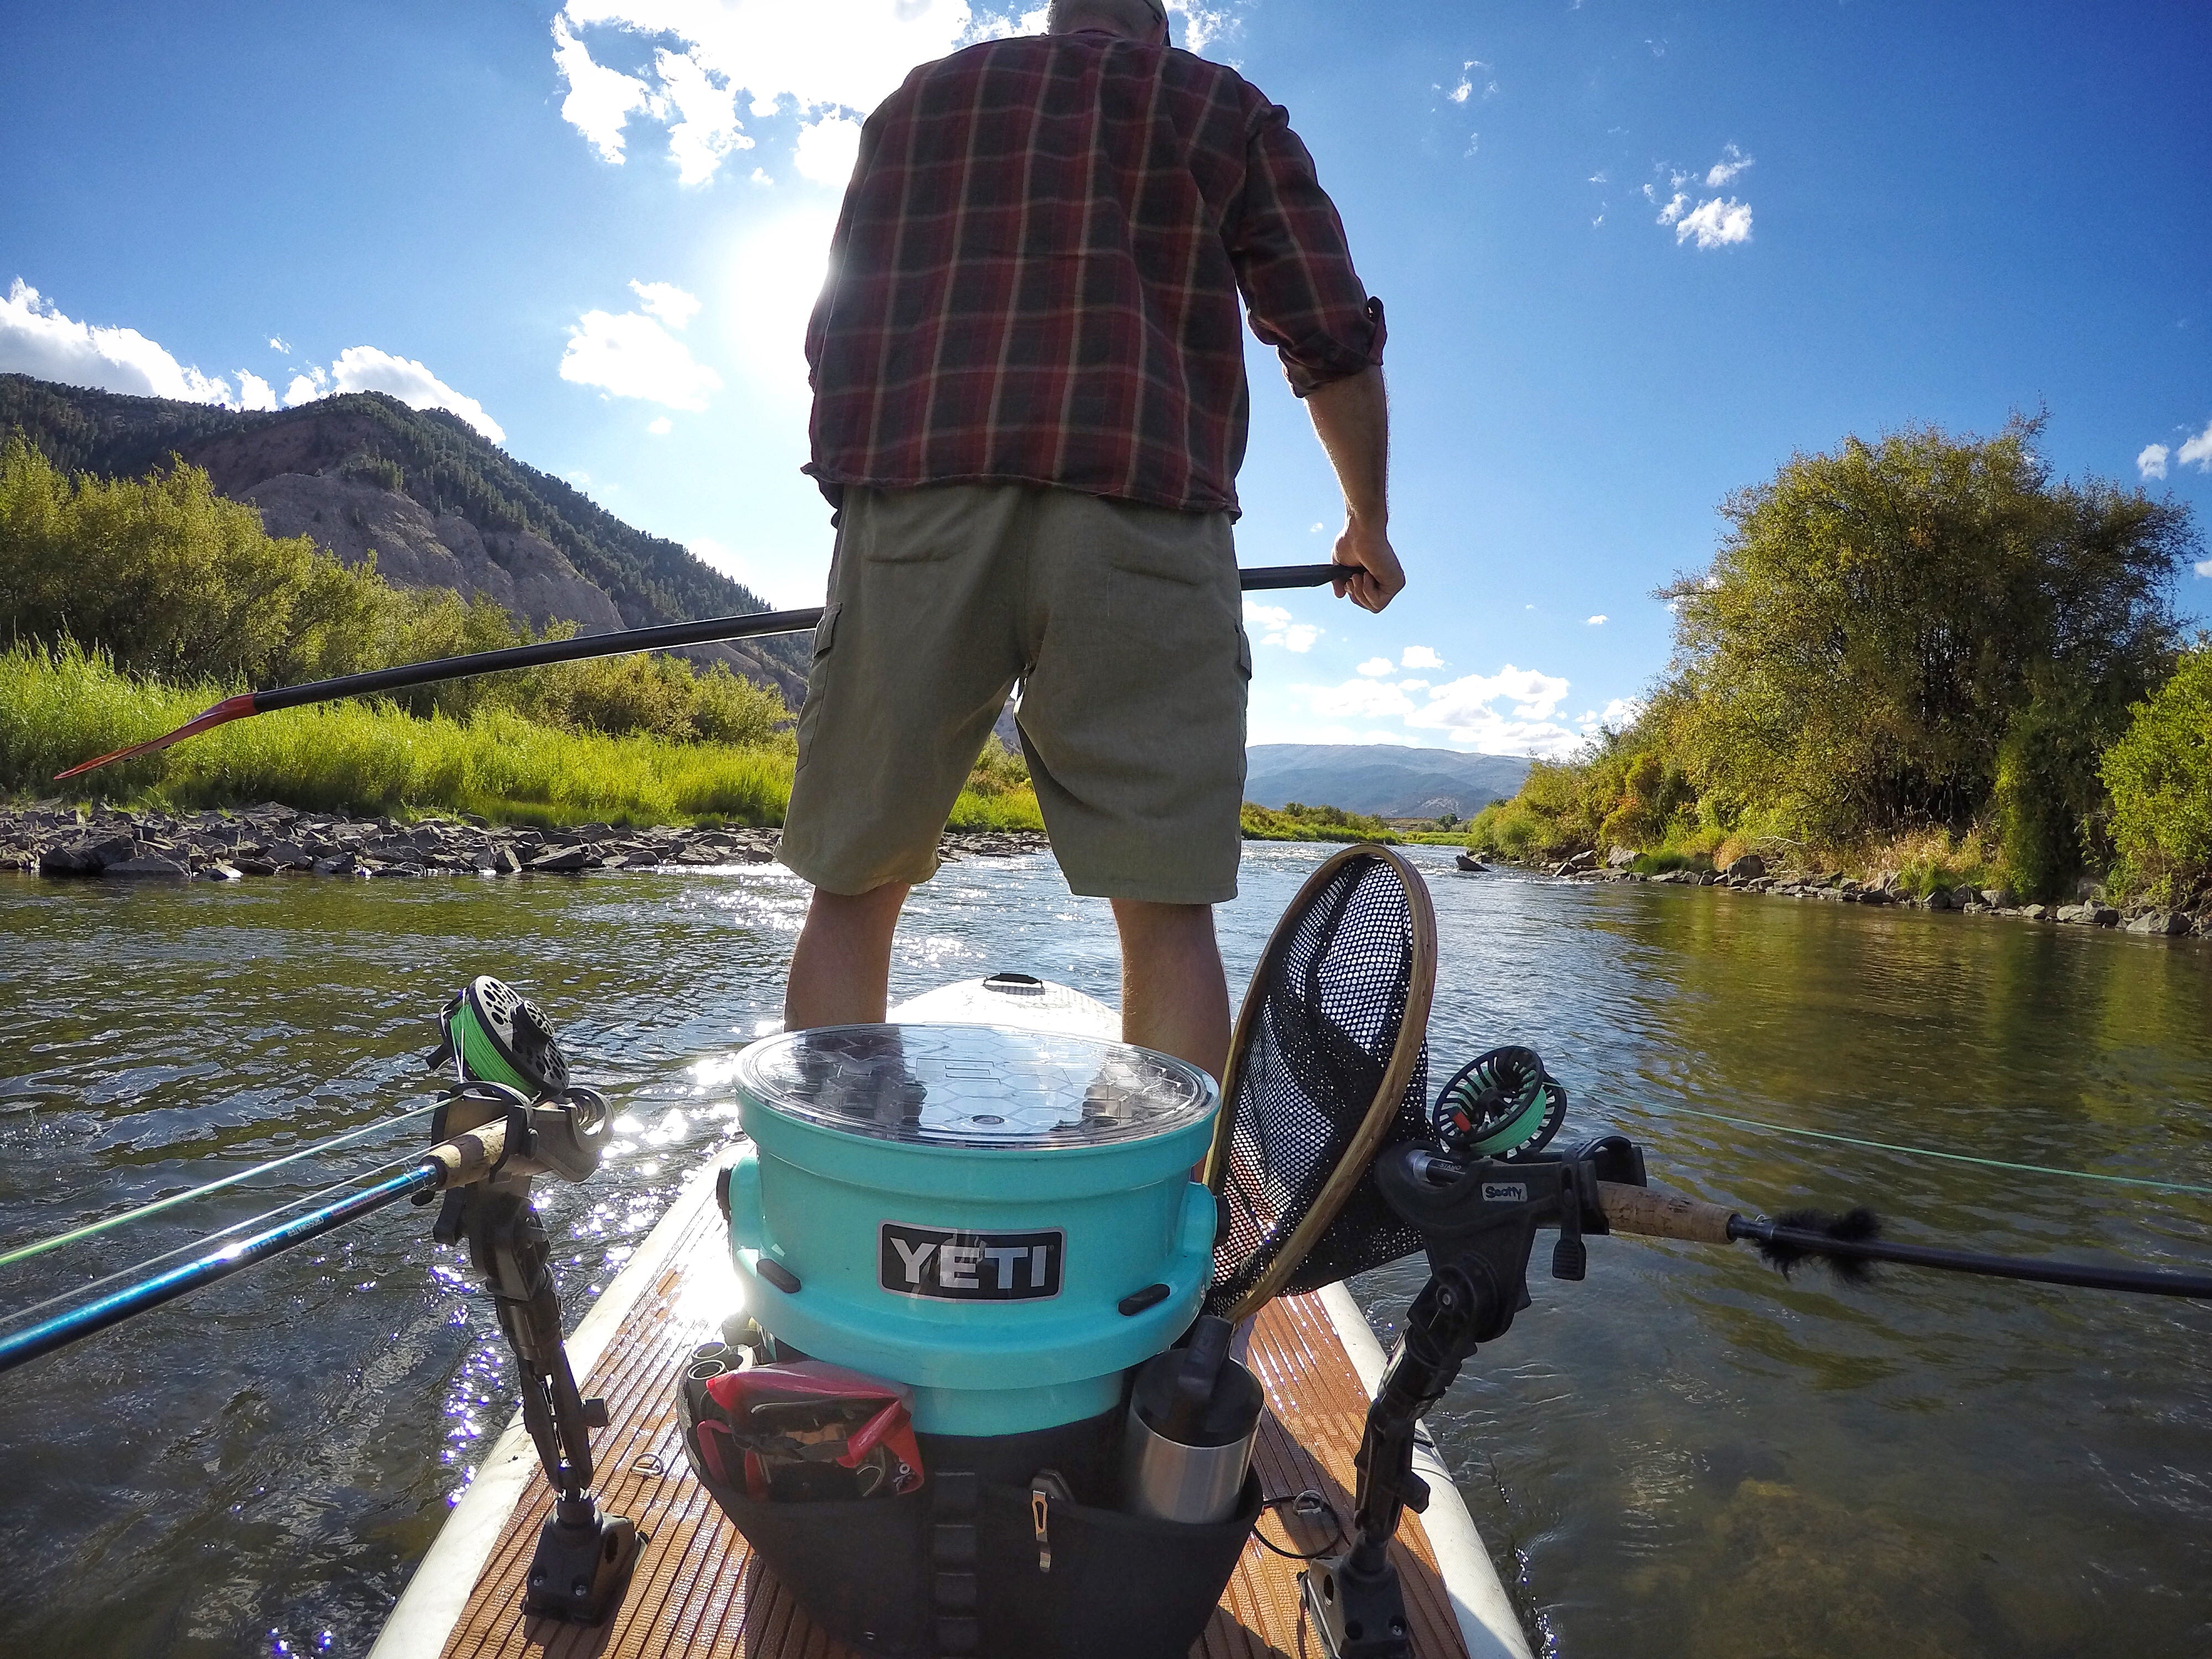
[{"x": 1351, "y": 417}]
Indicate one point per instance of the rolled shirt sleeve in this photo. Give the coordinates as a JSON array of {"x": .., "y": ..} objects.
[{"x": 1294, "y": 264}]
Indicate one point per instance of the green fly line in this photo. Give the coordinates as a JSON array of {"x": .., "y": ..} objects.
[
  {"x": 91, "y": 1228},
  {"x": 1929, "y": 1152}
]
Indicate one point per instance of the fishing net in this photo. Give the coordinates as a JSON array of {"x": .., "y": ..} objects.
[{"x": 1329, "y": 1066}]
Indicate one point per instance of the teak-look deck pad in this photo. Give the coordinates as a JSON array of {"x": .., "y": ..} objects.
[{"x": 699, "y": 1590}]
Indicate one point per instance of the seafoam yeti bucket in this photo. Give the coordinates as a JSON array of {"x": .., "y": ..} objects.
[{"x": 1003, "y": 1220}]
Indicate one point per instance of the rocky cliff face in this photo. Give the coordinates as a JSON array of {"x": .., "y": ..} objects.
[{"x": 522, "y": 574}]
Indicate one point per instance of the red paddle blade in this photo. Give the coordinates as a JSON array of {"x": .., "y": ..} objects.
[{"x": 229, "y": 710}]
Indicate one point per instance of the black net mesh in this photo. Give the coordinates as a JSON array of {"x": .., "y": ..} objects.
[{"x": 1328, "y": 1018}]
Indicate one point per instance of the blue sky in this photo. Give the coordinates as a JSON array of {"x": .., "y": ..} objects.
[{"x": 1634, "y": 257}]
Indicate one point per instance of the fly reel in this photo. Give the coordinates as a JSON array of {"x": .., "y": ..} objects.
[
  {"x": 1503, "y": 1105},
  {"x": 494, "y": 1034}
]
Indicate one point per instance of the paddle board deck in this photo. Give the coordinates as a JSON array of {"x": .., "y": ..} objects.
[{"x": 699, "y": 1590}]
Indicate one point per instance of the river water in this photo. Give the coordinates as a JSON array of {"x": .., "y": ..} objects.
[{"x": 1681, "y": 1455}]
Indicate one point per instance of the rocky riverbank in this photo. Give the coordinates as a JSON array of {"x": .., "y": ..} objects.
[
  {"x": 111, "y": 843},
  {"x": 1751, "y": 874}
]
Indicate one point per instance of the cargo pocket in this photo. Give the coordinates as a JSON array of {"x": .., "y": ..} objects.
[
  {"x": 855, "y": 1565},
  {"x": 1120, "y": 1586}
]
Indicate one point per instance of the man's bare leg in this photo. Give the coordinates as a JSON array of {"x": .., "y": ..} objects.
[
  {"x": 841, "y": 971},
  {"x": 1174, "y": 997}
]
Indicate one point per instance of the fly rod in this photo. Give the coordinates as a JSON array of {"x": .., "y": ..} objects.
[
  {"x": 666, "y": 636},
  {"x": 1846, "y": 1243},
  {"x": 461, "y": 1161}
]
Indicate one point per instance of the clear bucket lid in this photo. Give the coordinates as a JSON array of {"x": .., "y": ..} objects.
[{"x": 973, "y": 1086}]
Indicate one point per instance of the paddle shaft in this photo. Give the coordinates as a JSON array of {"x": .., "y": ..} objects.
[
  {"x": 465, "y": 1159},
  {"x": 1669, "y": 1215},
  {"x": 709, "y": 630}
]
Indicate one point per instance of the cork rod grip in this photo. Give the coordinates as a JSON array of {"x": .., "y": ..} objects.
[
  {"x": 1663, "y": 1215},
  {"x": 471, "y": 1154}
]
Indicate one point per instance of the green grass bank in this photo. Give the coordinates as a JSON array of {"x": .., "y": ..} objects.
[{"x": 60, "y": 704}]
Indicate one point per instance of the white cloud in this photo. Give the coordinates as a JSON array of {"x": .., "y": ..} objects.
[
  {"x": 2198, "y": 452},
  {"x": 365, "y": 368},
  {"x": 660, "y": 426},
  {"x": 1597, "y": 622},
  {"x": 2204, "y": 567},
  {"x": 666, "y": 301},
  {"x": 278, "y": 343},
  {"x": 1733, "y": 161},
  {"x": 2151, "y": 463},
  {"x": 827, "y": 150},
  {"x": 1375, "y": 666},
  {"x": 822, "y": 58},
  {"x": 705, "y": 105},
  {"x": 631, "y": 355},
  {"x": 1460, "y": 92},
  {"x": 1271, "y": 624},
  {"x": 1715, "y": 223},
  {"x": 37, "y": 340},
  {"x": 1514, "y": 711},
  {"x": 254, "y": 392},
  {"x": 1360, "y": 699},
  {"x": 600, "y": 101},
  {"x": 1419, "y": 656},
  {"x": 1316, "y": 530}
]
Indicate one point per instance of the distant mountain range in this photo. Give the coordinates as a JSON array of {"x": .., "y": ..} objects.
[
  {"x": 1380, "y": 778},
  {"x": 439, "y": 505}
]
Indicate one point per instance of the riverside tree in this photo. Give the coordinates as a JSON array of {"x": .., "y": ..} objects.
[{"x": 1923, "y": 632}]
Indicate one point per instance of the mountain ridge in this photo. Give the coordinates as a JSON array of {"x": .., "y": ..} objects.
[
  {"x": 440, "y": 504},
  {"x": 1383, "y": 779}
]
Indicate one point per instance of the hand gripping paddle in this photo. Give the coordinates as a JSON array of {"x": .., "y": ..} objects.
[{"x": 1329, "y": 1065}]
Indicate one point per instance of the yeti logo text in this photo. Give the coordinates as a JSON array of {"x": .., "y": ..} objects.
[{"x": 957, "y": 1267}]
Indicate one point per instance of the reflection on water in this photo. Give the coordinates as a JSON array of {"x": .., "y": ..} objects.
[{"x": 1684, "y": 1454}]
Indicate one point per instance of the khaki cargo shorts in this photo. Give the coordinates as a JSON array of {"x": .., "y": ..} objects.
[{"x": 1123, "y": 623}]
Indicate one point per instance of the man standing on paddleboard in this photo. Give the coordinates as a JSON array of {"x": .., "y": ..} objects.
[{"x": 1029, "y": 408}]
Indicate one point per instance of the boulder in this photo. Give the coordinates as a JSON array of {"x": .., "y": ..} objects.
[
  {"x": 568, "y": 861},
  {"x": 1875, "y": 896},
  {"x": 88, "y": 857},
  {"x": 151, "y": 865},
  {"x": 1750, "y": 867},
  {"x": 1620, "y": 858},
  {"x": 2166, "y": 924},
  {"x": 1938, "y": 898},
  {"x": 220, "y": 872}
]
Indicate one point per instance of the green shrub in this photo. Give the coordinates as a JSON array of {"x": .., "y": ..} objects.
[
  {"x": 2160, "y": 773},
  {"x": 1296, "y": 821}
]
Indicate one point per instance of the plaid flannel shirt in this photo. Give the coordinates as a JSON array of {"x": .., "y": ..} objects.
[{"x": 1035, "y": 273}]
